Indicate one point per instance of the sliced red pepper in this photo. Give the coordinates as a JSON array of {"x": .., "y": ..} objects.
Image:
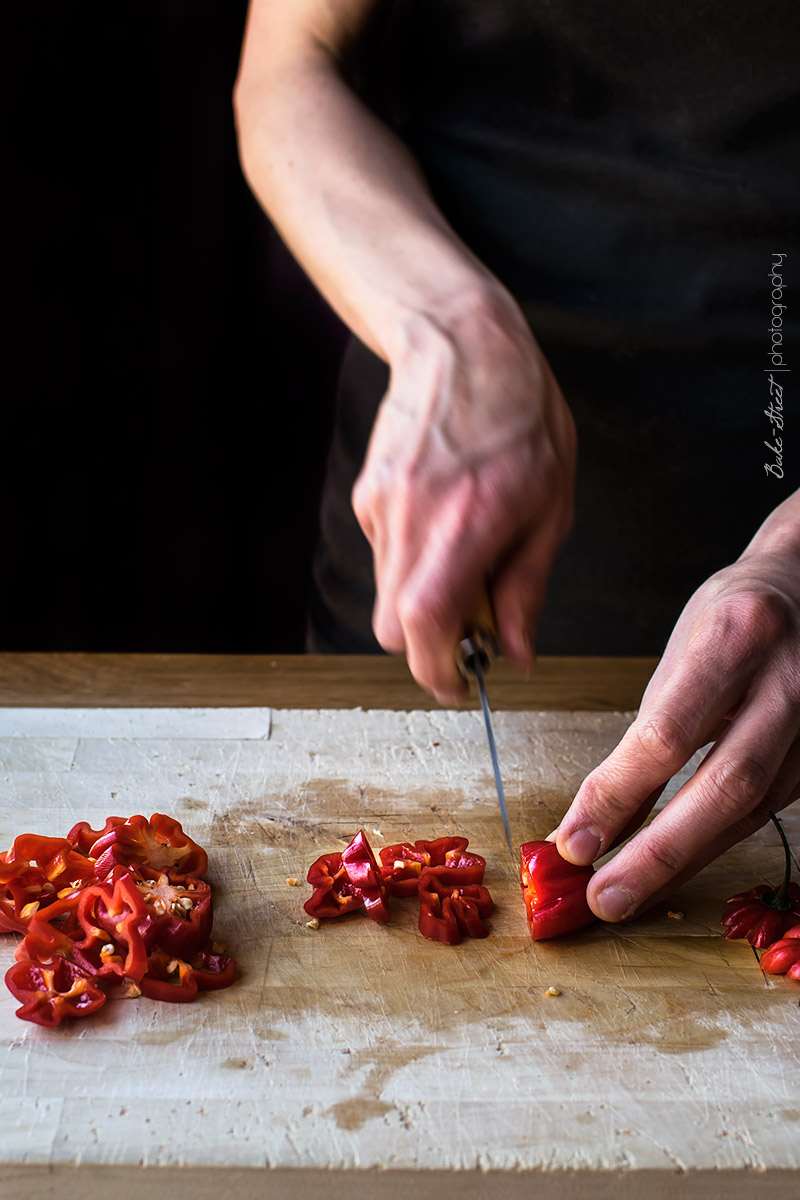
[
  {"x": 554, "y": 891},
  {"x": 33, "y": 873},
  {"x": 160, "y": 843},
  {"x": 333, "y": 895},
  {"x": 169, "y": 978},
  {"x": 402, "y": 864},
  {"x": 213, "y": 969},
  {"x": 83, "y": 837},
  {"x": 53, "y": 992},
  {"x": 51, "y": 931},
  {"x": 783, "y": 956},
  {"x": 181, "y": 909},
  {"x": 451, "y": 909},
  {"x": 362, "y": 870},
  {"x": 116, "y": 924}
]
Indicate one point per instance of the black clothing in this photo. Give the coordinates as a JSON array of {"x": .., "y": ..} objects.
[{"x": 629, "y": 171}]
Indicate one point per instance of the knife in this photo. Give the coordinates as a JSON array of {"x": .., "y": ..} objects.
[{"x": 476, "y": 653}]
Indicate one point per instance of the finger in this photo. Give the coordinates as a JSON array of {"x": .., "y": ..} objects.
[
  {"x": 518, "y": 593},
  {"x": 681, "y": 714},
  {"x": 735, "y": 779}
]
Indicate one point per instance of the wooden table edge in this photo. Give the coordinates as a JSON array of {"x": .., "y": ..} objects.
[{"x": 45, "y": 680}]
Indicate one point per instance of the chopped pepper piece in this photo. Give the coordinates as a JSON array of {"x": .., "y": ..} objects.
[
  {"x": 117, "y": 927},
  {"x": 554, "y": 891},
  {"x": 362, "y": 870},
  {"x": 53, "y": 992},
  {"x": 334, "y": 894},
  {"x": 160, "y": 843},
  {"x": 451, "y": 909},
  {"x": 402, "y": 864},
  {"x": 180, "y": 907}
]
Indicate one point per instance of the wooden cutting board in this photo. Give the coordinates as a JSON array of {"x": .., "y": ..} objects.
[{"x": 360, "y": 1060}]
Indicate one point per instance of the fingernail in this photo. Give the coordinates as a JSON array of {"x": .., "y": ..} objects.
[
  {"x": 583, "y": 846},
  {"x": 614, "y": 903},
  {"x": 551, "y": 837}
]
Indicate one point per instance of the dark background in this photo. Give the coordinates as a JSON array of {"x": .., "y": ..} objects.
[{"x": 168, "y": 373}]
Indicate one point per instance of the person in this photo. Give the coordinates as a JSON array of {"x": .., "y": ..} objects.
[{"x": 522, "y": 202}]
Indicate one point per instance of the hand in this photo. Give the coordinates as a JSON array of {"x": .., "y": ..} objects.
[
  {"x": 469, "y": 474},
  {"x": 731, "y": 675}
]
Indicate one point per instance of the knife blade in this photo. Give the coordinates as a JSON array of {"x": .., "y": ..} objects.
[{"x": 476, "y": 653}]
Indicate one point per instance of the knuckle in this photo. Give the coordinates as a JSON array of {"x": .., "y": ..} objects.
[
  {"x": 736, "y": 786},
  {"x": 663, "y": 738},
  {"x": 757, "y": 618},
  {"x": 658, "y": 853},
  {"x": 600, "y": 800}
]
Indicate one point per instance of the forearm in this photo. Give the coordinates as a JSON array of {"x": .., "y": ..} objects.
[{"x": 349, "y": 199}]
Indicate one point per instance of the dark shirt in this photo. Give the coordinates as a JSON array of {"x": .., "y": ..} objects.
[{"x": 631, "y": 172}]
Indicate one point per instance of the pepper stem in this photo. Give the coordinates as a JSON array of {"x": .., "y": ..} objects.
[{"x": 781, "y": 898}]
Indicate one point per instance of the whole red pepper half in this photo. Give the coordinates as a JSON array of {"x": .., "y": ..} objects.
[
  {"x": 554, "y": 891},
  {"x": 160, "y": 843},
  {"x": 783, "y": 956},
  {"x": 763, "y": 914},
  {"x": 450, "y": 908},
  {"x": 402, "y": 864},
  {"x": 53, "y": 992}
]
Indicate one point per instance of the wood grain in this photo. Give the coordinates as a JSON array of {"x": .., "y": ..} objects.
[
  {"x": 302, "y": 681},
  {"x": 355, "y": 1059}
]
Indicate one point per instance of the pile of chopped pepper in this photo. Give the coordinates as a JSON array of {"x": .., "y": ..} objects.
[
  {"x": 441, "y": 873},
  {"x": 109, "y": 913}
]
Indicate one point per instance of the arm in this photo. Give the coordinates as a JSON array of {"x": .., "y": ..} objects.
[
  {"x": 731, "y": 675},
  {"x": 471, "y": 461}
]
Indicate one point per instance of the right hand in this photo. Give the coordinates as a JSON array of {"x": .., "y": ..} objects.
[{"x": 469, "y": 474}]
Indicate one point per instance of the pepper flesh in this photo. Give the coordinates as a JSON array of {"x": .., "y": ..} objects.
[
  {"x": 554, "y": 891},
  {"x": 53, "y": 992},
  {"x": 402, "y": 864},
  {"x": 362, "y": 870},
  {"x": 450, "y": 908},
  {"x": 160, "y": 842},
  {"x": 783, "y": 956}
]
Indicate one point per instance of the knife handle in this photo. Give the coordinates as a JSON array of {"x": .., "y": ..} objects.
[{"x": 481, "y": 640}]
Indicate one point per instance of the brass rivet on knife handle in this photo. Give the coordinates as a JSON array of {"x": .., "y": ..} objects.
[{"x": 481, "y": 640}]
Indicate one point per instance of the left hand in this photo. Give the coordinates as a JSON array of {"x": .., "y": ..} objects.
[{"x": 731, "y": 675}]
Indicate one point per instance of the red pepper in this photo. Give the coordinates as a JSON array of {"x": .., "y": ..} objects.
[
  {"x": 213, "y": 969},
  {"x": 450, "y": 908},
  {"x": 402, "y": 864},
  {"x": 168, "y": 978},
  {"x": 83, "y": 837},
  {"x": 116, "y": 923},
  {"x": 783, "y": 956},
  {"x": 54, "y": 992},
  {"x": 333, "y": 895},
  {"x": 554, "y": 891},
  {"x": 160, "y": 843},
  {"x": 763, "y": 914},
  {"x": 347, "y": 881},
  {"x": 180, "y": 907},
  {"x": 177, "y": 981},
  {"x": 33, "y": 873},
  {"x": 51, "y": 931},
  {"x": 362, "y": 870}
]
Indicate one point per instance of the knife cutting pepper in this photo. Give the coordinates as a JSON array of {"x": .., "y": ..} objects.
[{"x": 554, "y": 891}]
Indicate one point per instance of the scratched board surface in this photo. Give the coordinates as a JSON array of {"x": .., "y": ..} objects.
[{"x": 366, "y": 1046}]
